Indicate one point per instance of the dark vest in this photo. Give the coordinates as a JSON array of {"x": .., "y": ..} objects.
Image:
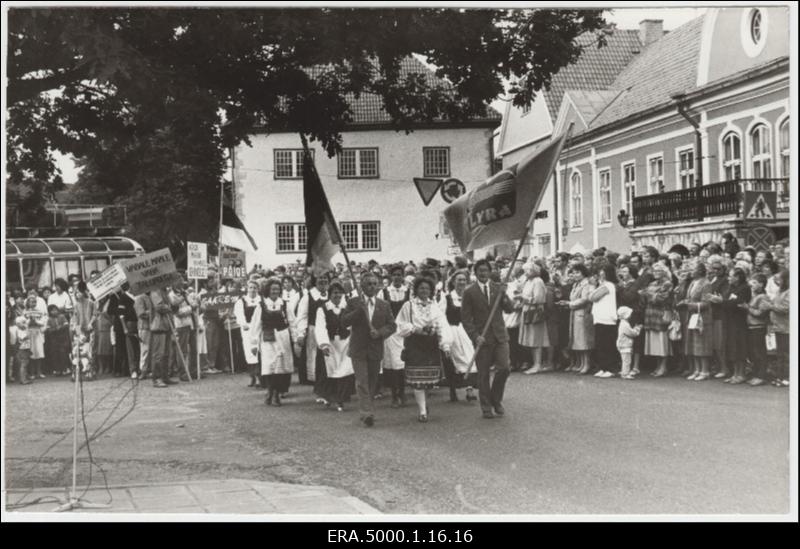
[
  {"x": 452, "y": 312},
  {"x": 396, "y": 305},
  {"x": 248, "y": 310},
  {"x": 313, "y": 305},
  {"x": 274, "y": 320},
  {"x": 333, "y": 322}
]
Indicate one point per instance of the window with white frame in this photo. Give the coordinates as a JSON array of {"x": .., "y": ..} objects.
[
  {"x": 436, "y": 161},
  {"x": 686, "y": 168},
  {"x": 783, "y": 143},
  {"x": 732, "y": 156},
  {"x": 576, "y": 199},
  {"x": 356, "y": 163},
  {"x": 291, "y": 237},
  {"x": 655, "y": 174},
  {"x": 289, "y": 163},
  {"x": 629, "y": 185},
  {"x": 760, "y": 152},
  {"x": 362, "y": 236},
  {"x": 605, "y": 196}
]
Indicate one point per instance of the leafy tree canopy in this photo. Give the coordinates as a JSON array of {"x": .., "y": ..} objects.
[{"x": 149, "y": 99}]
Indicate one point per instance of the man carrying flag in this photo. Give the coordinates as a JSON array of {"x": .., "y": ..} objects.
[{"x": 499, "y": 210}]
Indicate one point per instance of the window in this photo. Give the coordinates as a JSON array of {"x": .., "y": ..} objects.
[
  {"x": 355, "y": 163},
  {"x": 783, "y": 143},
  {"x": 66, "y": 267},
  {"x": 94, "y": 264},
  {"x": 291, "y": 237},
  {"x": 655, "y": 174},
  {"x": 629, "y": 186},
  {"x": 362, "y": 236},
  {"x": 686, "y": 169},
  {"x": 36, "y": 273},
  {"x": 544, "y": 246},
  {"x": 760, "y": 157},
  {"x": 436, "y": 161},
  {"x": 289, "y": 163},
  {"x": 605, "y": 197},
  {"x": 732, "y": 156},
  {"x": 497, "y": 165},
  {"x": 576, "y": 199},
  {"x": 755, "y": 26}
]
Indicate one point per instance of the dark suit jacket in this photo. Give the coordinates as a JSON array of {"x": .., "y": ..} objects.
[
  {"x": 721, "y": 286},
  {"x": 475, "y": 310},
  {"x": 362, "y": 346}
]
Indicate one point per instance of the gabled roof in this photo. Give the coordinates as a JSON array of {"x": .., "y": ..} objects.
[
  {"x": 664, "y": 68},
  {"x": 367, "y": 109},
  {"x": 596, "y": 68}
]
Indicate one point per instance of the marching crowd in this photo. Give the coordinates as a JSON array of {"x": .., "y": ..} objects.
[{"x": 712, "y": 311}]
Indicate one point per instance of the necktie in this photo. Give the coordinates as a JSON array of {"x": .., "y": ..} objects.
[
  {"x": 371, "y": 308},
  {"x": 486, "y": 291}
]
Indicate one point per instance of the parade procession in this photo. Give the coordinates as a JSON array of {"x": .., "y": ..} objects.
[{"x": 324, "y": 247}]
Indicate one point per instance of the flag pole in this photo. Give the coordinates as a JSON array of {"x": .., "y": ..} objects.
[
  {"x": 342, "y": 247},
  {"x": 499, "y": 295}
]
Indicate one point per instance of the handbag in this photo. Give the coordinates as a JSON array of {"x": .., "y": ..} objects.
[
  {"x": 675, "y": 330},
  {"x": 696, "y": 321},
  {"x": 534, "y": 315}
]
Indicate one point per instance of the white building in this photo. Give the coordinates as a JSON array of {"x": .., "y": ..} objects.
[{"x": 370, "y": 185}]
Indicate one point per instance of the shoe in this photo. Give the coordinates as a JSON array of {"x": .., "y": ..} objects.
[
  {"x": 378, "y": 396},
  {"x": 488, "y": 415},
  {"x": 659, "y": 374},
  {"x": 369, "y": 421},
  {"x": 170, "y": 381},
  {"x": 691, "y": 377},
  {"x": 735, "y": 380},
  {"x": 268, "y": 400},
  {"x": 213, "y": 371},
  {"x": 26, "y": 382},
  {"x": 184, "y": 379},
  {"x": 42, "y": 376},
  {"x": 755, "y": 382},
  {"x": 339, "y": 408},
  {"x": 159, "y": 384},
  {"x": 252, "y": 382},
  {"x": 607, "y": 374},
  {"x": 134, "y": 375},
  {"x": 583, "y": 371},
  {"x": 599, "y": 373},
  {"x": 784, "y": 382},
  {"x": 531, "y": 371},
  {"x": 702, "y": 377},
  {"x": 471, "y": 397},
  {"x": 627, "y": 376},
  {"x": 422, "y": 418},
  {"x": 499, "y": 410}
]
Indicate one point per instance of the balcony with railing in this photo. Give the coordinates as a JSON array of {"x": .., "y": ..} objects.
[
  {"x": 67, "y": 219},
  {"x": 725, "y": 198}
]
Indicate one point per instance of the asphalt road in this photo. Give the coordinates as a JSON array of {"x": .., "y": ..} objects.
[{"x": 568, "y": 444}]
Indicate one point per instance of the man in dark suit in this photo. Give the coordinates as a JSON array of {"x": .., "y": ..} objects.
[
  {"x": 372, "y": 322},
  {"x": 493, "y": 348}
]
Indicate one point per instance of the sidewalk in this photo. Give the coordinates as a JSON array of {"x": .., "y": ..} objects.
[{"x": 233, "y": 496}]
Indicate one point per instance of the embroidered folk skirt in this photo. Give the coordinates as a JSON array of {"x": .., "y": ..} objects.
[{"x": 423, "y": 363}]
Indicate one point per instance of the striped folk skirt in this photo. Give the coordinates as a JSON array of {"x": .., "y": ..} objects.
[{"x": 423, "y": 361}]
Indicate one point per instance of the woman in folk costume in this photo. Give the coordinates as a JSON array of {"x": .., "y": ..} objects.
[
  {"x": 426, "y": 331},
  {"x": 333, "y": 340},
  {"x": 461, "y": 348},
  {"x": 396, "y": 294},
  {"x": 306, "y": 317},
  {"x": 269, "y": 335},
  {"x": 244, "y": 310}
]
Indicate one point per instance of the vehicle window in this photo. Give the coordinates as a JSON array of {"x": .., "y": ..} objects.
[
  {"x": 36, "y": 273},
  {"x": 65, "y": 267},
  {"x": 13, "y": 278},
  {"x": 94, "y": 264}
]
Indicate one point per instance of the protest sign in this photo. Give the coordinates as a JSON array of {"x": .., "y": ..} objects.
[
  {"x": 232, "y": 265},
  {"x": 197, "y": 260},
  {"x": 150, "y": 271},
  {"x": 107, "y": 282},
  {"x": 222, "y": 302}
]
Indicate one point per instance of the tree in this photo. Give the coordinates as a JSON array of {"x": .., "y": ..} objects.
[{"x": 150, "y": 99}]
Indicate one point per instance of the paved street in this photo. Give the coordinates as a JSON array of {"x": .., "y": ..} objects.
[{"x": 567, "y": 445}]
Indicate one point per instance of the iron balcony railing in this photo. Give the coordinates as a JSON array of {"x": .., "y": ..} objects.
[{"x": 707, "y": 201}]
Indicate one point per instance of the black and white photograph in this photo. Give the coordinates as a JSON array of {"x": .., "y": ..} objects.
[{"x": 391, "y": 263}]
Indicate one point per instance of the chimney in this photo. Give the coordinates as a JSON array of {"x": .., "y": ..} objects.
[{"x": 650, "y": 30}]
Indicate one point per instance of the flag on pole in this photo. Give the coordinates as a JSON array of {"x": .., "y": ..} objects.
[
  {"x": 500, "y": 209},
  {"x": 323, "y": 240},
  {"x": 232, "y": 232}
]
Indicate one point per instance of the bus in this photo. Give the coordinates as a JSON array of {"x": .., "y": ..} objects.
[{"x": 37, "y": 262}]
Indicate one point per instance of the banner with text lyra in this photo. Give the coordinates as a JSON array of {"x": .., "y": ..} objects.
[{"x": 151, "y": 271}]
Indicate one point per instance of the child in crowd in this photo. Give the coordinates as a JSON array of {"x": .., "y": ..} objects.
[
  {"x": 757, "y": 319},
  {"x": 627, "y": 334},
  {"x": 20, "y": 341},
  {"x": 81, "y": 356}
]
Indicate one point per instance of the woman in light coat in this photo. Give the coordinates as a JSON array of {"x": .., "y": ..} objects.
[
  {"x": 581, "y": 323},
  {"x": 244, "y": 311},
  {"x": 534, "y": 298}
]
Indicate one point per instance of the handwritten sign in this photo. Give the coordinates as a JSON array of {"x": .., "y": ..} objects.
[
  {"x": 107, "y": 282},
  {"x": 219, "y": 301},
  {"x": 150, "y": 271},
  {"x": 232, "y": 265},
  {"x": 197, "y": 260}
]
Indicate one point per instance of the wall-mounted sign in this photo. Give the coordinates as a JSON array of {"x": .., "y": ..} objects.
[
  {"x": 760, "y": 204},
  {"x": 427, "y": 188}
]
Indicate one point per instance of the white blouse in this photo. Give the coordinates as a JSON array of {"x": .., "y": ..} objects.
[{"x": 417, "y": 314}]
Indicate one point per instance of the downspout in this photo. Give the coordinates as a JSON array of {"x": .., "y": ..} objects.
[{"x": 698, "y": 146}]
